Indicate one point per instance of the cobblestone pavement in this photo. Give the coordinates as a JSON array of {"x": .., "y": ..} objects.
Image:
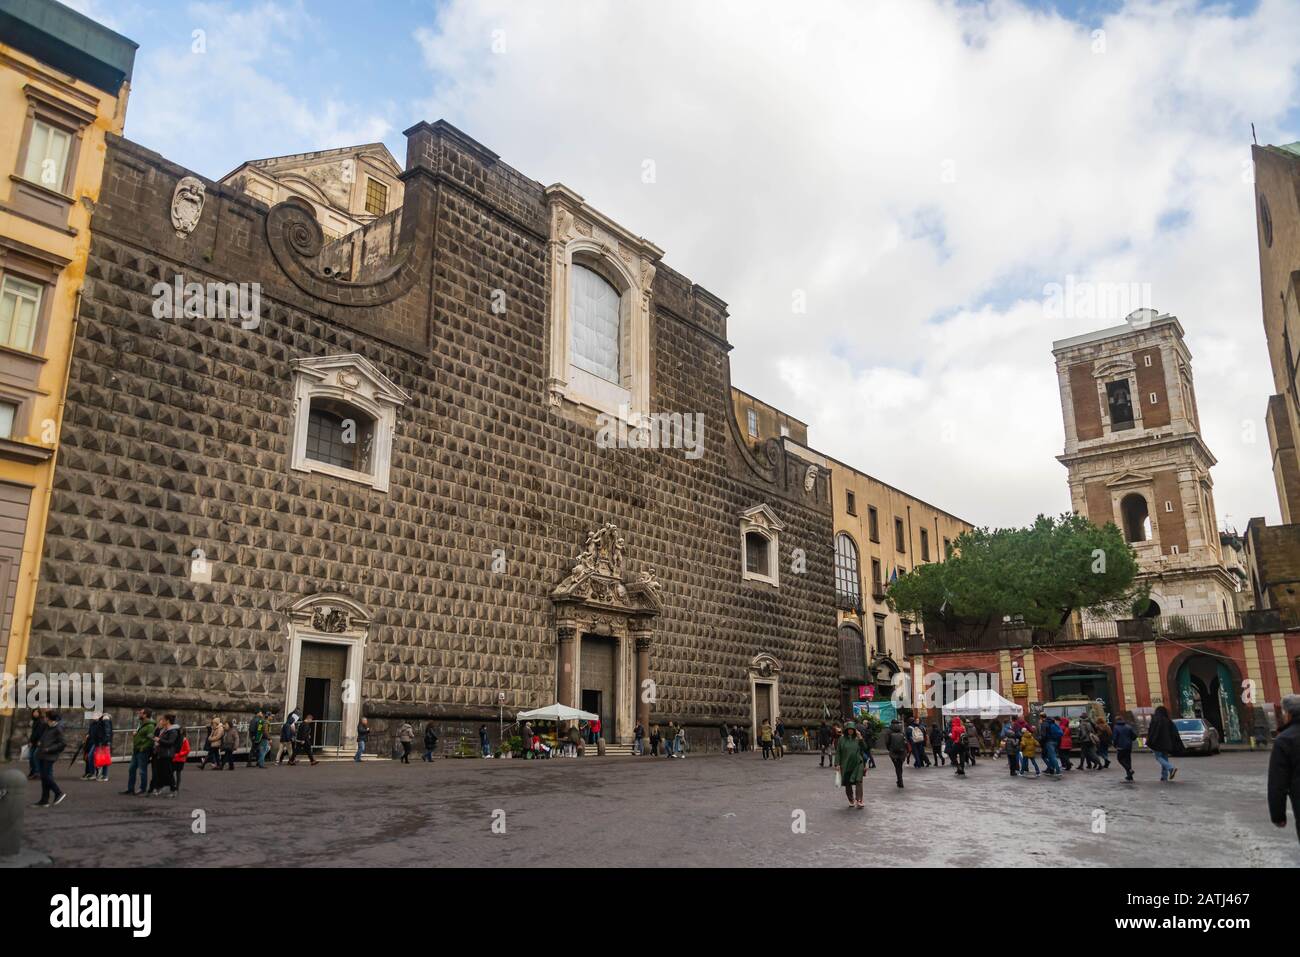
[{"x": 706, "y": 810}]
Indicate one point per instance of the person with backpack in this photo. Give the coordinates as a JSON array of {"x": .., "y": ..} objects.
[
  {"x": 1123, "y": 738},
  {"x": 405, "y": 737},
  {"x": 431, "y": 742},
  {"x": 1162, "y": 739},
  {"x": 141, "y": 752},
  {"x": 765, "y": 739},
  {"x": 1104, "y": 736},
  {"x": 1028, "y": 750},
  {"x": 48, "y": 749},
  {"x": 917, "y": 735},
  {"x": 896, "y": 745},
  {"x": 1049, "y": 736},
  {"x": 1088, "y": 759},
  {"x": 257, "y": 729},
  {"x": 848, "y": 755},
  {"x": 1010, "y": 741}
]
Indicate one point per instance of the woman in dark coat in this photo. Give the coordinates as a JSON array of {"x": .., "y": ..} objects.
[
  {"x": 848, "y": 753},
  {"x": 1162, "y": 738}
]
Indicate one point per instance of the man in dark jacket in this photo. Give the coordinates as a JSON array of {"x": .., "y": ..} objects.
[
  {"x": 936, "y": 744},
  {"x": 306, "y": 740},
  {"x": 896, "y": 744},
  {"x": 431, "y": 741},
  {"x": 824, "y": 743},
  {"x": 1123, "y": 738},
  {"x": 1284, "y": 765},
  {"x": 48, "y": 750},
  {"x": 34, "y": 739},
  {"x": 1162, "y": 738},
  {"x": 141, "y": 752}
]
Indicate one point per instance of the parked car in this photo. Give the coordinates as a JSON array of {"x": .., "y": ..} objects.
[{"x": 1198, "y": 736}]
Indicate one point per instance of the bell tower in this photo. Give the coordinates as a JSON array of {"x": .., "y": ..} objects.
[{"x": 1135, "y": 457}]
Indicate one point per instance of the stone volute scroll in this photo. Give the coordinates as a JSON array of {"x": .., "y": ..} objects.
[{"x": 296, "y": 240}]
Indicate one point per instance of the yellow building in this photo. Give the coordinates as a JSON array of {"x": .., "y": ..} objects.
[
  {"x": 880, "y": 532},
  {"x": 64, "y": 81}
]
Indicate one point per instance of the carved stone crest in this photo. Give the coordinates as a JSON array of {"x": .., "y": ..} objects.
[
  {"x": 187, "y": 205},
  {"x": 329, "y": 619},
  {"x": 810, "y": 478}
]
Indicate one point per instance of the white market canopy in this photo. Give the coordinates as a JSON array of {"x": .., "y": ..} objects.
[
  {"x": 982, "y": 703},
  {"x": 557, "y": 712}
]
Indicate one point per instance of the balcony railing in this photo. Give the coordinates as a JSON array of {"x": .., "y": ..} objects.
[{"x": 940, "y": 637}]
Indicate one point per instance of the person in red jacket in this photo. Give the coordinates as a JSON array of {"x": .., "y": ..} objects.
[
  {"x": 1066, "y": 743},
  {"x": 957, "y": 734},
  {"x": 178, "y": 762}
]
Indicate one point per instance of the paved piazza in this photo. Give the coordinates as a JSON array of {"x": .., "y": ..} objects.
[{"x": 706, "y": 810}]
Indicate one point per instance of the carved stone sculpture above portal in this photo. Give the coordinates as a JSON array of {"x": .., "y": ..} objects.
[{"x": 596, "y": 576}]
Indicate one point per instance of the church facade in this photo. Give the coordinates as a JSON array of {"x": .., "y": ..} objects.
[{"x": 495, "y": 467}]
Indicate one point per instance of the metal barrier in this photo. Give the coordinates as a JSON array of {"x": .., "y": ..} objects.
[{"x": 326, "y": 736}]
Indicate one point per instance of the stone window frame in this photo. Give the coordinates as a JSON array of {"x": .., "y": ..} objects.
[
  {"x": 20, "y": 381},
  {"x": 36, "y": 200},
  {"x": 353, "y": 380},
  {"x": 581, "y": 235},
  {"x": 1113, "y": 371},
  {"x": 761, "y": 520}
]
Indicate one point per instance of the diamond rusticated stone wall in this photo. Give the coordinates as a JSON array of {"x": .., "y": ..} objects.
[{"x": 177, "y": 433}]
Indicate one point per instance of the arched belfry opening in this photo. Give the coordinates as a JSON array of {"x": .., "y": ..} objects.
[{"x": 1137, "y": 518}]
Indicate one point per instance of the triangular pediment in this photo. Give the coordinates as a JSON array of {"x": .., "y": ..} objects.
[
  {"x": 762, "y": 515},
  {"x": 1130, "y": 478},
  {"x": 358, "y": 369}
]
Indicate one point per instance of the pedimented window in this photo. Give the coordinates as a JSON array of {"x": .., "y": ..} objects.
[
  {"x": 760, "y": 531},
  {"x": 345, "y": 416}
]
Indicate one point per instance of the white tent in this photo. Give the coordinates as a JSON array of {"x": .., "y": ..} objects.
[
  {"x": 982, "y": 703},
  {"x": 557, "y": 712}
]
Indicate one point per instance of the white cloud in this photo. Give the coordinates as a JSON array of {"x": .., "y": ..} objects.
[
  {"x": 218, "y": 83},
  {"x": 808, "y": 147}
]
